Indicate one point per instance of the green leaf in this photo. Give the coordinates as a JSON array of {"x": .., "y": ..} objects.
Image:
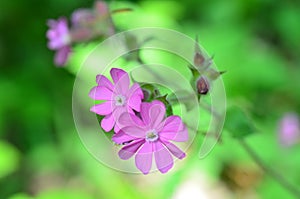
[
  {"x": 9, "y": 159},
  {"x": 238, "y": 123}
]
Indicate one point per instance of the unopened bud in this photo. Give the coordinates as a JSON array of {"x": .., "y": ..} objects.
[
  {"x": 198, "y": 59},
  {"x": 203, "y": 85}
]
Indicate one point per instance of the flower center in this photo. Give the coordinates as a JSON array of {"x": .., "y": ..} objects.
[
  {"x": 151, "y": 136},
  {"x": 66, "y": 39},
  {"x": 120, "y": 100}
]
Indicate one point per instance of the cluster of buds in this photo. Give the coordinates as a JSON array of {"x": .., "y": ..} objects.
[
  {"x": 203, "y": 73},
  {"x": 86, "y": 25},
  {"x": 140, "y": 124}
]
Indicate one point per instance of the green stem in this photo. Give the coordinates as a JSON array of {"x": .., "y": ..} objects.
[
  {"x": 276, "y": 176},
  {"x": 121, "y": 10}
]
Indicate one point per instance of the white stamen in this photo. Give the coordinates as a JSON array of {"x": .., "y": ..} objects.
[
  {"x": 151, "y": 136},
  {"x": 120, "y": 100}
]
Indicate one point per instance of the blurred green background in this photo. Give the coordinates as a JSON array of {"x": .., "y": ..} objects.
[{"x": 256, "y": 41}]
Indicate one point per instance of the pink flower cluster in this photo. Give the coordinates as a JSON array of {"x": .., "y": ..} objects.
[
  {"x": 59, "y": 40},
  {"x": 141, "y": 127},
  {"x": 87, "y": 24}
]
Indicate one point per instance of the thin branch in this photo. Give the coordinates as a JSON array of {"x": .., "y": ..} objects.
[
  {"x": 121, "y": 10},
  {"x": 276, "y": 176}
]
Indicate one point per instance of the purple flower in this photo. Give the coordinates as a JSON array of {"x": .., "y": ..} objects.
[
  {"x": 289, "y": 130},
  {"x": 81, "y": 17},
  {"x": 62, "y": 55},
  {"x": 58, "y": 34},
  {"x": 105, "y": 24},
  {"x": 83, "y": 21},
  {"x": 119, "y": 98},
  {"x": 89, "y": 24},
  {"x": 150, "y": 134},
  {"x": 59, "y": 39}
]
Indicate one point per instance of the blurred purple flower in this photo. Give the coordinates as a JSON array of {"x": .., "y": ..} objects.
[
  {"x": 88, "y": 24},
  {"x": 103, "y": 14},
  {"x": 289, "y": 130},
  {"x": 151, "y": 134},
  {"x": 83, "y": 21},
  {"x": 59, "y": 40},
  {"x": 81, "y": 16},
  {"x": 62, "y": 55},
  {"x": 58, "y": 34},
  {"x": 119, "y": 98}
]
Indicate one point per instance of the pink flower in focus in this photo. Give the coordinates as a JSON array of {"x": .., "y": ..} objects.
[
  {"x": 59, "y": 39},
  {"x": 119, "y": 98},
  {"x": 289, "y": 130},
  {"x": 151, "y": 135}
]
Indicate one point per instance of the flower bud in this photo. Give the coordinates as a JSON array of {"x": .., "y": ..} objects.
[
  {"x": 198, "y": 59},
  {"x": 203, "y": 85}
]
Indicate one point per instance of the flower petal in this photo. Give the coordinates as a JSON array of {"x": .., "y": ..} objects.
[
  {"x": 108, "y": 122},
  {"x": 50, "y": 34},
  {"x": 81, "y": 16},
  {"x": 135, "y": 89},
  {"x": 118, "y": 111},
  {"x": 135, "y": 102},
  {"x": 143, "y": 159},
  {"x": 174, "y": 149},
  {"x": 62, "y": 25},
  {"x": 100, "y": 93},
  {"x": 180, "y": 136},
  {"x": 103, "y": 81},
  {"x": 58, "y": 35},
  {"x": 117, "y": 128},
  {"x": 62, "y": 55},
  {"x": 127, "y": 119},
  {"x": 122, "y": 85},
  {"x": 130, "y": 149},
  {"x": 163, "y": 158},
  {"x": 121, "y": 137},
  {"x": 134, "y": 131},
  {"x": 145, "y": 106},
  {"x": 157, "y": 113},
  {"x": 152, "y": 113},
  {"x": 101, "y": 8},
  {"x": 117, "y": 73},
  {"x": 102, "y": 109},
  {"x": 173, "y": 124}
]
